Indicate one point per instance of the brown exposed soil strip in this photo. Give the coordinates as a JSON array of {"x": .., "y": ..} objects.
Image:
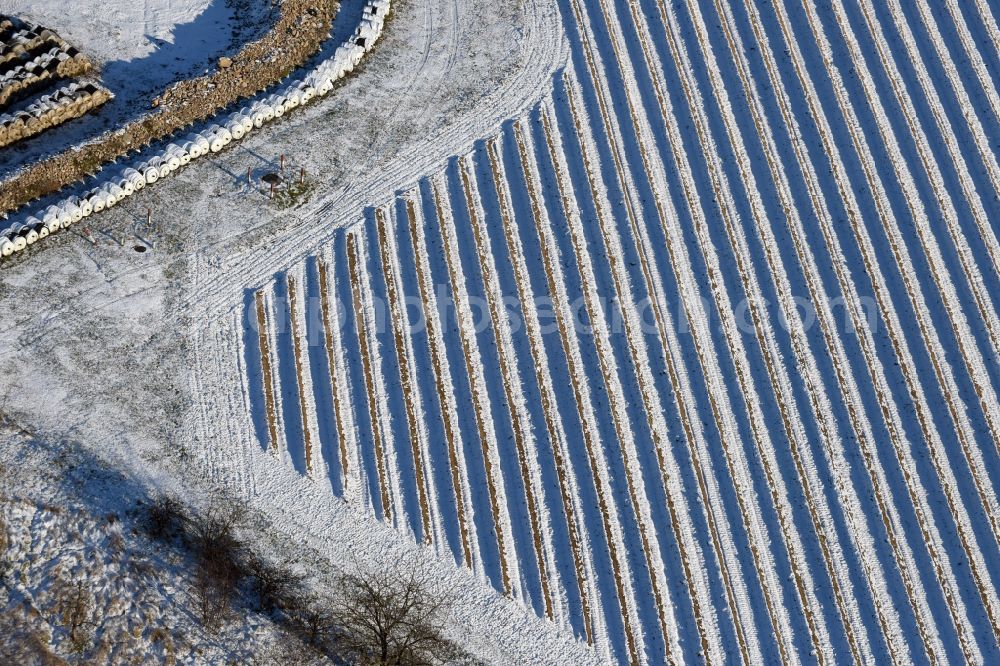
[
  {"x": 496, "y": 313},
  {"x": 359, "y": 320},
  {"x": 302, "y": 26},
  {"x": 331, "y": 360},
  {"x": 816, "y": 294},
  {"x": 491, "y": 483},
  {"x": 575, "y": 374},
  {"x": 885, "y": 308},
  {"x": 968, "y": 268},
  {"x": 547, "y": 398},
  {"x": 297, "y": 350},
  {"x": 266, "y": 372},
  {"x": 397, "y": 316},
  {"x": 450, "y": 428}
]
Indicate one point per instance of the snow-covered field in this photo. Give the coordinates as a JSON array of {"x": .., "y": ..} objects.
[{"x": 735, "y": 270}]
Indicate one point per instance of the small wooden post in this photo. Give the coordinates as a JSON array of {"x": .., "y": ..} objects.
[
  {"x": 149, "y": 218},
  {"x": 249, "y": 176},
  {"x": 282, "y": 164},
  {"x": 302, "y": 176},
  {"x": 272, "y": 189}
]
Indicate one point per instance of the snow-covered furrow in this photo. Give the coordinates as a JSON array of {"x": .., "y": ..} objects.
[
  {"x": 341, "y": 408},
  {"x": 606, "y": 365},
  {"x": 514, "y": 389},
  {"x": 303, "y": 378},
  {"x": 404, "y": 362},
  {"x": 289, "y": 389},
  {"x": 509, "y": 567},
  {"x": 964, "y": 334},
  {"x": 443, "y": 386},
  {"x": 326, "y": 462},
  {"x": 510, "y": 422},
  {"x": 931, "y": 337},
  {"x": 965, "y": 110},
  {"x": 940, "y": 556},
  {"x": 682, "y": 531},
  {"x": 361, "y": 314},
  {"x": 819, "y": 399},
  {"x": 872, "y": 359},
  {"x": 611, "y": 244},
  {"x": 650, "y": 282},
  {"x": 429, "y": 446},
  {"x": 388, "y": 380},
  {"x": 735, "y": 590},
  {"x": 576, "y": 536},
  {"x": 988, "y": 24},
  {"x": 486, "y": 539},
  {"x": 267, "y": 373},
  {"x": 846, "y": 382},
  {"x": 611, "y": 525},
  {"x": 341, "y": 331},
  {"x": 764, "y": 448}
]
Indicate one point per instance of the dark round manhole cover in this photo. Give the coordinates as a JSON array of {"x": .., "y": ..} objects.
[
  {"x": 139, "y": 248},
  {"x": 271, "y": 178}
]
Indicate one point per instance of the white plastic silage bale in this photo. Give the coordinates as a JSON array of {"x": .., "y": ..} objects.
[
  {"x": 150, "y": 172},
  {"x": 86, "y": 207},
  {"x": 235, "y": 129},
  {"x": 6, "y": 245},
  {"x": 74, "y": 210}
]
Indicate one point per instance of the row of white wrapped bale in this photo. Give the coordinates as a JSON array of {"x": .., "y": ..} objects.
[
  {"x": 121, "y": 184},
  {"x": 15, "y": 40},
  {"x": 66, "y": 103}
]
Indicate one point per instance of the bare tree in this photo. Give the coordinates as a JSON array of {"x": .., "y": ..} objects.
[
  {"x": 391, "y": 618},
  {"x": 276, "y": 586},
  {"x": 219, "y": 568}
]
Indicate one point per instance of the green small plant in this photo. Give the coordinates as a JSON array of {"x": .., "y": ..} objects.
[{"x": 294, "y": 193}]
